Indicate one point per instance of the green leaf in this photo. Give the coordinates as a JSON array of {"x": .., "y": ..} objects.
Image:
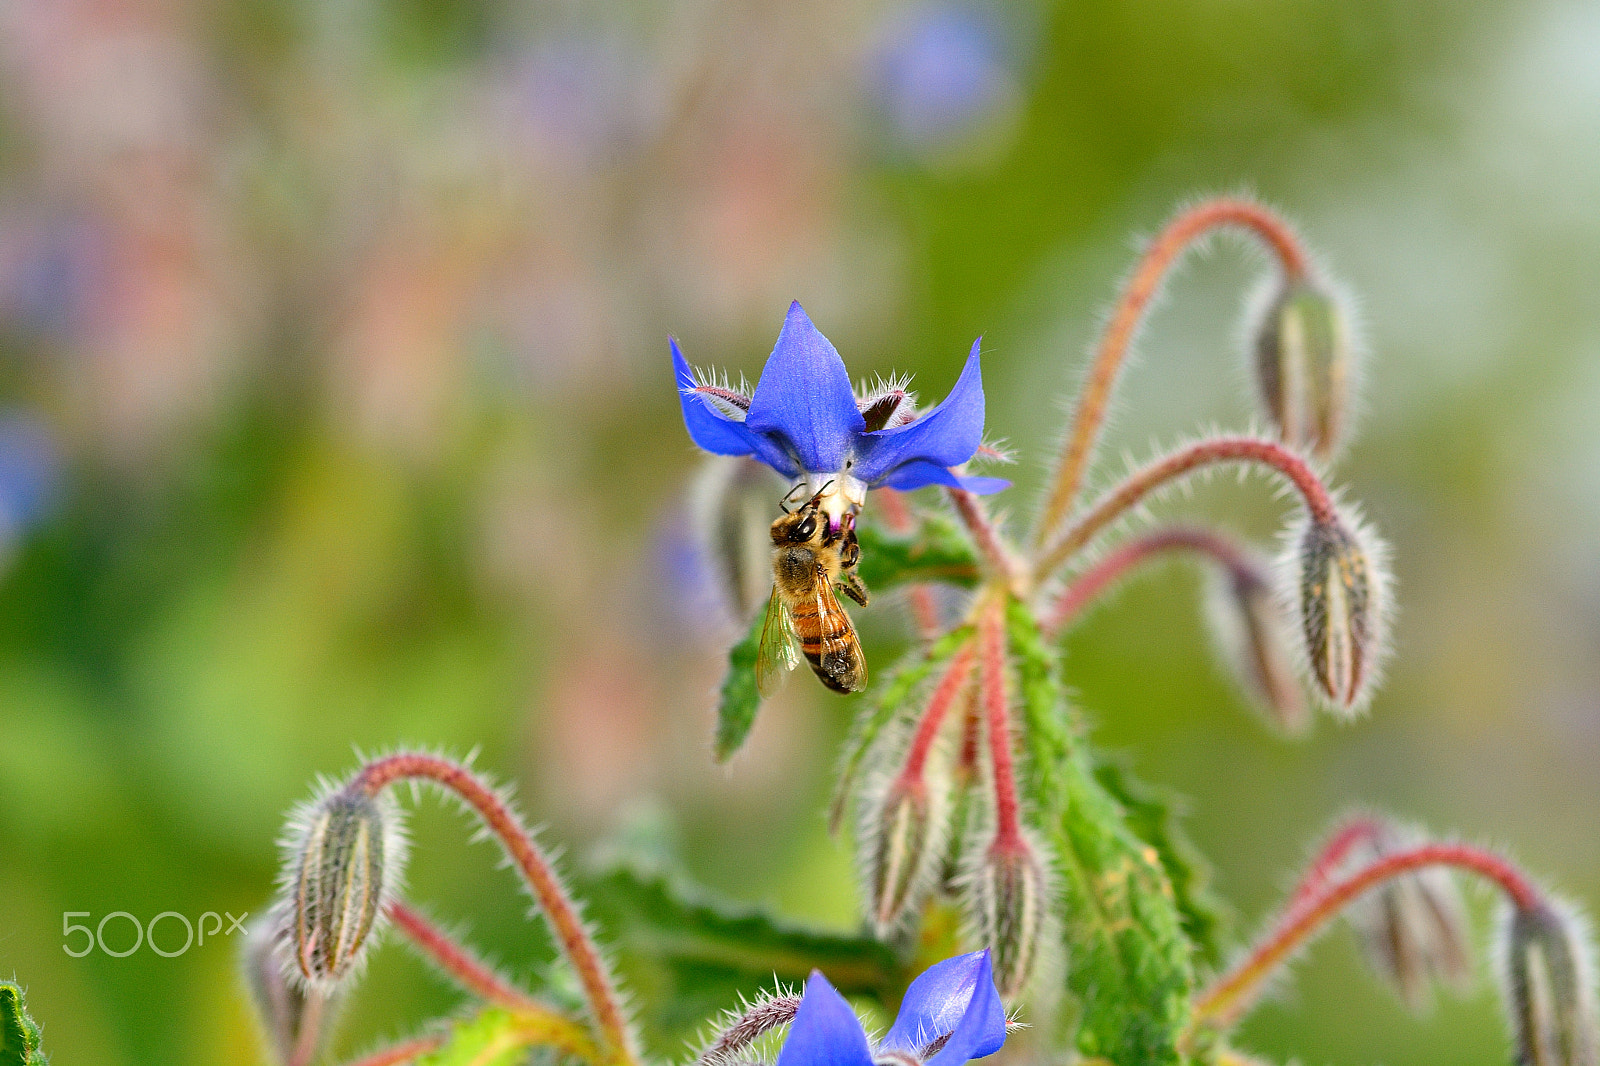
[
  {"x": 903, "y": 684},
  {"x": 1153, "y": 814},
  {"x": 687, "y": 956},
  {"x": 19, "y": 1035},
  {"x": 492, "y": 1037},
  {"x": 1129, "y": 962},
  {"x": 938, "y": 551},
  {"x": 736, "y": 709}
]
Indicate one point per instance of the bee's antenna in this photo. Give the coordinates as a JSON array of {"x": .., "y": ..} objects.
[{"x": 822, "y": 490}]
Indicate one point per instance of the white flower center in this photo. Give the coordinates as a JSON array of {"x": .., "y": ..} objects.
[{"x": 845, "y": 493}]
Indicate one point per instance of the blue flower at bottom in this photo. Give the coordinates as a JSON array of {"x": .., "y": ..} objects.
[
  {"x": 805, "y": 421},
  {"x": 950, "y": 1014}
]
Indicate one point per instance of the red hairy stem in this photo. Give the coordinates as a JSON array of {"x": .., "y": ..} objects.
[
  {"x": 984, "y": 535},
  {"x": 1142, "y": 482},
  {"x": 1352, "y": 834},
  {"x": 398, "y": 1053},
  {"x": 459, "y": 962},
  {"x": 1123, "y": 326},
  {"x": 537, "y": 872},
  {"x": 997, "y": 714},
  {"x": 924, "y": 609},
  {"x": 1093, "y": 582},
  {"x": 950, "y": 687},
  {"x": 1226, "y": 999}
]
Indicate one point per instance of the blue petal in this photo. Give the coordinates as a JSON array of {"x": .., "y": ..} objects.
[
  {"x": 948, "y": 435},
  {"x": 983, "y": 486},
  {"x": 982, "y": 1028},
  {"x": 715, "y": 432},
  {"x": 804, "y": 398},
  {"x": 938, "y": 1001},
  {"x": 825, "y": 1031},
  {"x": 919, "y": 473}
]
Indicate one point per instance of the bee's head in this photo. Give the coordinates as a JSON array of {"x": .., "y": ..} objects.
[{"x": 800, "y": 526}]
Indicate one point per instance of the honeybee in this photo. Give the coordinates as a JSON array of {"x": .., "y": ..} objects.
[{"x": 809, "y": 557}]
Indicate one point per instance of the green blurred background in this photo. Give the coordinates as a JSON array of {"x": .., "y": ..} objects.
[{"x": 335, "y": 412}]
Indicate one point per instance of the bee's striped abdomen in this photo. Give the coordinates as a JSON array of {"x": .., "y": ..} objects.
[{"x": 815, "y": 629}]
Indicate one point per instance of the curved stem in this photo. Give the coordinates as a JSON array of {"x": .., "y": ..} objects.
[
  {"x": 1123, "y": 327},
  {"x": 944, "y": 697},
  {"x": 997, "y": 714},
  {"x": 398, "y": 1053},
  {"x": 1226, "y": 999},
  {"x": 1345, "y": 839},
  {"x": 522, "y": 1028},
  {"x": 1117, "y": 502},
  {"x": 1090, "y": 584},
  {"x": 459, "y": 962},
  {"x": 576, "y": 944},
  {"x": 760, "y": 1017},
  {"x": 984, "y": 534}
]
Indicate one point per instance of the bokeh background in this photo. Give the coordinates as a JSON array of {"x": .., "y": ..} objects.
[{"x": 335, "y": 410}]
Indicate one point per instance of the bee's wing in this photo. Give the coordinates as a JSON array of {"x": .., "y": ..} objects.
[
  {"x": 776, "y": 654},
  {"x": 841, "y": 659}
]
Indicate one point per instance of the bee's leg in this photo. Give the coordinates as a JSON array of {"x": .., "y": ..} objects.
[{"x": 852, "y": 586}]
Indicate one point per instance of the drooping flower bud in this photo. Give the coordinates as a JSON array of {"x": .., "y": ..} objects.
[
  {"x": 732, "y": 504},
  {"x": 966, "y": 809},
  {"x": 344, "y": 857},
  {"x": 1305, "y": 362},
  {"x": 1412, "y": 928},
  {"x": 1342, "y": 597},
  {"x": 1549, "y": 986},
  {"x": 1007, "y": 901},
  {"x": 906, "y": 815},
  {"x": 1254, "y": 640},
  {"x": 296, "y": 1019},
  {"x": 903, "y": 838}
]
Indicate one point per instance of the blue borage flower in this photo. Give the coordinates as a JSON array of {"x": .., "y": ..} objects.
[
  {"x": 950, "y": 1014},
  {"x": 806, "y": 422}
]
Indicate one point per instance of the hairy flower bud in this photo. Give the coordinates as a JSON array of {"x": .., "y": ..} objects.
[
  {"x": 344, "y": 858},
  {"x": 1342, "y": 595},
  {"x": 1254, "y": 640},
  {"x": 1412, "y": 928},
  {"x": 1007, "y": 901},
  {"x": 903, "y": 841},
  {"x": 732, "y": 504},
  {"x": 1305, "y": 363},
  {"x": 1549, "y": 986},
  {"x": 296, "y": 1019}
]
